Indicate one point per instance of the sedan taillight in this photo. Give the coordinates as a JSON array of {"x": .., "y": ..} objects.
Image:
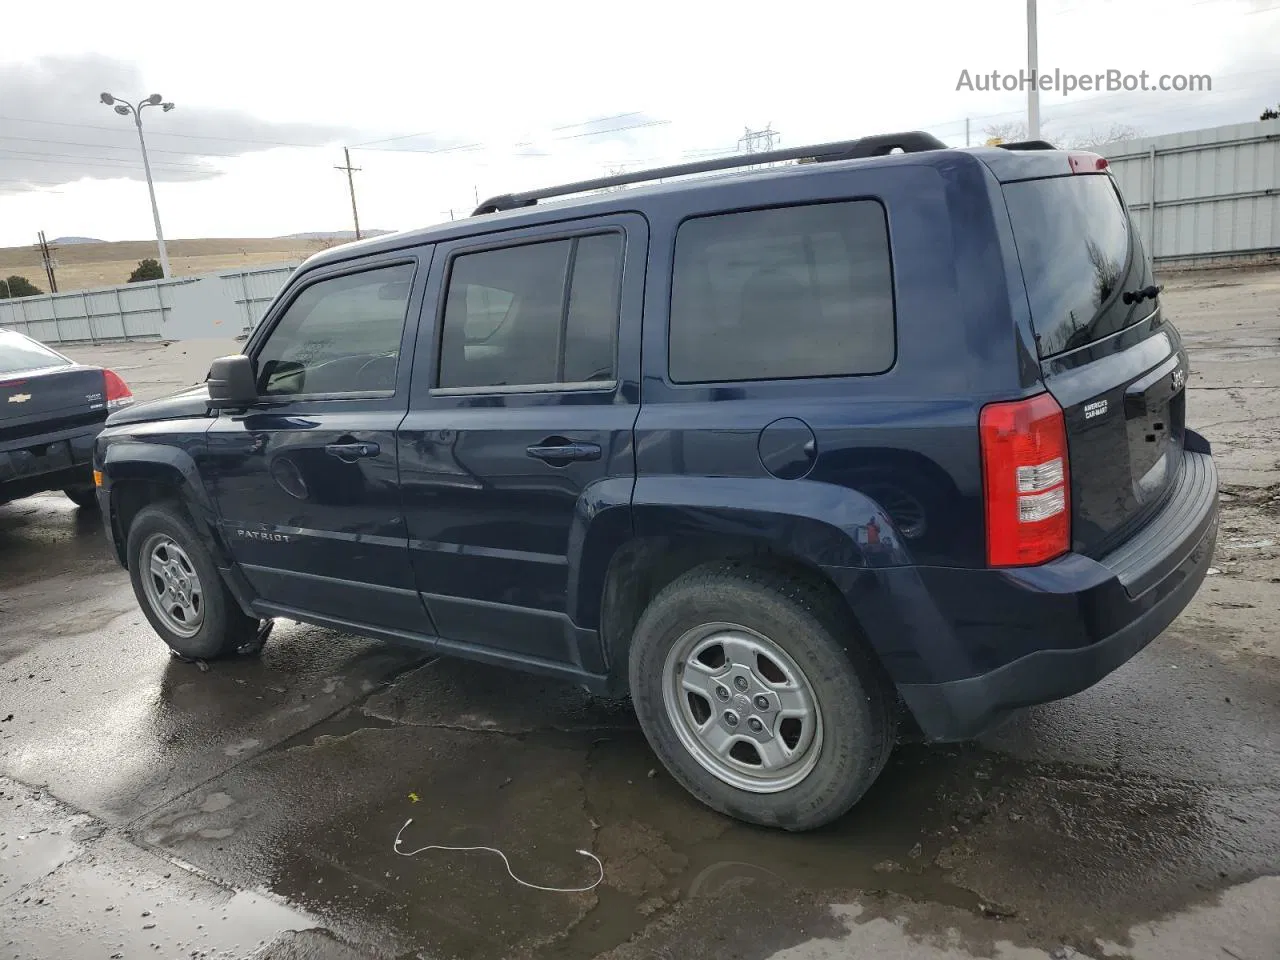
[{"x": 118, "y": 392}]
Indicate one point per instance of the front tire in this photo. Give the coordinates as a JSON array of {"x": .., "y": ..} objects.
[
  {"x": 180, "y": 589},
  {"x": 757, "y": 693}
]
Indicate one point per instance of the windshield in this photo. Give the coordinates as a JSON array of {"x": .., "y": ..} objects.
[
  {"x": 19, "y": 354},
  {"x": 1079, "y": 252}
]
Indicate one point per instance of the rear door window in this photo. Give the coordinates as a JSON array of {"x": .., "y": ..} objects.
[
  {"x": 803, "y": 291},
  {"x": 1079, "y": 253},
  {"x": 534, "y": 314}
]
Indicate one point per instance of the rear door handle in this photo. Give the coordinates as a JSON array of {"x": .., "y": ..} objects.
[
  {"x": 351, "y": 452},
  {"x": 557, "y": 451}
]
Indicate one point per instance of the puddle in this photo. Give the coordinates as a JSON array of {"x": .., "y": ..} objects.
[
  {"x": 71, "y": 889},
  {"x": 101, "y": 910},
  {"x": 36, "y": 836},
  {"x": 957, "y": 826}
]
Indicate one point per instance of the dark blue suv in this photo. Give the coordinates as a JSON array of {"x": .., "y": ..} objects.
[{"x": 873, "y": 436}]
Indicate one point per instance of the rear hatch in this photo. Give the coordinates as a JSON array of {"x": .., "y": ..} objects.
[
  {"x": 42, "y": 392},
  {"x": 1107, "y": 353}
]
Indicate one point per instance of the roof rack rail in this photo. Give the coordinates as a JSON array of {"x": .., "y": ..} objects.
[
  {"x": 1027, "y": 145},
  {"x": 877, "y": 146}
]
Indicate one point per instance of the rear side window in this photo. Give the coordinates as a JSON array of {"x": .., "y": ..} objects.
[
  {"x": 19, "y": 354},
  {"x": 1078, "y": 253},
  {"x": 535, "y": 314},
  {"x": 787, "y": 292}
]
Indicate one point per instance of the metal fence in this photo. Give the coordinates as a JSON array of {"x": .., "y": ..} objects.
[
  {"x": 253, "y": 290},
  {"x": 1205, "y": 195},
  {"x": 120, "y": 313},
  {"x": 223, "y": 304}
]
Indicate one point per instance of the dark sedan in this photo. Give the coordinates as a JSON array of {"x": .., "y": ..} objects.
[{"x": 51, "y": 409}]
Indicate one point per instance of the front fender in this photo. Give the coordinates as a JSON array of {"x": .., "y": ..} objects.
[
  {"x": 170, "y": 466},
  {"x": 132, "y": 460}
]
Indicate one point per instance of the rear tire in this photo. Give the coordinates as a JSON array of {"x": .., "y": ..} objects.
[
  {"x": 86, "y": 497},
  {"x": 813, "y": 713},
  {"x": 180, "y": 589}
]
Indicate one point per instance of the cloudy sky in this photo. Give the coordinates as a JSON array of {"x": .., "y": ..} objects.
[{"x": 441, "y": 102}]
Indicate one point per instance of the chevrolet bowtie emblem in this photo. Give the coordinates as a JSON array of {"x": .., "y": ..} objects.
[{"x": 20, "y": 398}]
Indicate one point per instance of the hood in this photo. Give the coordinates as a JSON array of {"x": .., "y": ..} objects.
[{"x": 189, "y": 403}]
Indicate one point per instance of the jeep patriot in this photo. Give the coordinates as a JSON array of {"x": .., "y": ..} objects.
[{"x": 801, "y": 457}]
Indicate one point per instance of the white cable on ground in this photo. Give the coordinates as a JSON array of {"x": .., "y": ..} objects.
[{"x": 523, "y": 883}]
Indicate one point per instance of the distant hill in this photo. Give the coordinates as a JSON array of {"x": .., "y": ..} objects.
[
  {"x": 89, "y": 265},
  {"x": 76, "y": 240},
  {"x": 336, "y": 234}
]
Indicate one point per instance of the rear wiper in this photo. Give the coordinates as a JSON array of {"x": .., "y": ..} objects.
[{"x": 1149, "y": 292}]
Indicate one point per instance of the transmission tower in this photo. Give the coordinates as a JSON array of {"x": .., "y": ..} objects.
[{"x": 758, "y": 141}]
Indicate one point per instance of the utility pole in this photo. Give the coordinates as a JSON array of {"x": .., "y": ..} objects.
[
  {"x": 1033, "y": 67},
  {"x": 46, "y": 256},
  {"x": 966, "y": 131},
  {"x": 351, "y": 185}
]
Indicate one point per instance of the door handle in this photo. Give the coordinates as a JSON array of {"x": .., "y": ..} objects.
[
  {"x": 558, "y": 451},
  {"x": 351, "y": 452}
]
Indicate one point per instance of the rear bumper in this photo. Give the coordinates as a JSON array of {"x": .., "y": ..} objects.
[
  {"x": 49, "y": 461},
  {"x": 1071, "y": 622}
]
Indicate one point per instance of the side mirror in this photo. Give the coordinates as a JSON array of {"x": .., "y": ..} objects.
[{"x": 231, "y": 383}]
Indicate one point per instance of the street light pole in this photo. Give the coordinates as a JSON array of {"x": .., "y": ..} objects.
[
  {"x": 1033, "y": 67},
  {"x": 125, "y": 108}
]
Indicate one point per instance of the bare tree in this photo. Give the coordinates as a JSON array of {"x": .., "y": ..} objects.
[
  {"x": 1010, "y": 132},
  {"x": 1098, "y": 136},
  {"x": 1106, "y": 273},
  {"x": 1014, "y": 131}
]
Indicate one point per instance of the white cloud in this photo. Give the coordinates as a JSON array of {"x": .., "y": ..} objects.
[{"x": 516, "y": 78}]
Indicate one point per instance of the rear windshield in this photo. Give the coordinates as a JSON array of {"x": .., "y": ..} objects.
[
  {"x": 19, "y": 354},
  {"x": 1079, "y": 253}
]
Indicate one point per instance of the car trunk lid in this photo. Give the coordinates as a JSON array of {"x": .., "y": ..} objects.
[{"x": 46, "y": 400}]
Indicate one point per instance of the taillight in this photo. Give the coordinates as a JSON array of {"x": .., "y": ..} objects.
[
  {"x": 118, "y": 392},
  {"x": 1086, "y": 162},
  {"x": 1025, "y": 481}
]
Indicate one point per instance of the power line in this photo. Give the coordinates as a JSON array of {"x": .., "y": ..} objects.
[
  {"x": 122, "y": 166},
  {"x": 456, "y": 148},
  {"x": 368, "y": 144},
  {"x": 601, "y": 133},
  {"x": 587, "y": 123},
  {"x": 112, "y": 146},
  {"x": 42, "y": 155},
  {"x": 51, "y": 183},
  {"x": 483, "y": 146}
]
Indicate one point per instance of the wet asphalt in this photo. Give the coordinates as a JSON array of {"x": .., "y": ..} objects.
[{"x": 152, "y": 808}]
